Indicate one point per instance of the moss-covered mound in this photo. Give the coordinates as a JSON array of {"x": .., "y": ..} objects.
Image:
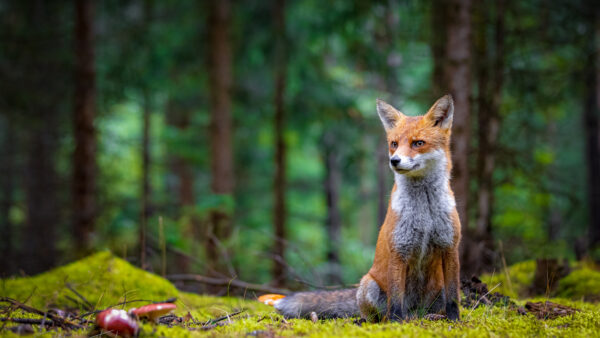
[
  {"x": 514, "y": 281},
  {"x": 105, "y": 280},
  {"x": 582, "y": 283}
]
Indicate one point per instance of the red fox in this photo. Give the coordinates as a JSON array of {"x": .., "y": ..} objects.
[{"x": 416, "y": 268}]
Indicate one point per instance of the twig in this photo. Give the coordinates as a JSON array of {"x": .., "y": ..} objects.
[
  {"x": 211, "y": 324},
  {"x": 86, "y": 303},
  {"x": 56, "y": 319},
  {"x": 226, "y": 282},
  {"x": 214, "y": 321},
  {"x": 31, "y": 321}
]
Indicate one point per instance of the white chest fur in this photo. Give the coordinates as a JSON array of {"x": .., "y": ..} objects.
[{"x": 423, "y": 206}]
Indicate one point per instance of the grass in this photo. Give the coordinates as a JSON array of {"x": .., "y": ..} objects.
[{"x": 105, "y": 280}]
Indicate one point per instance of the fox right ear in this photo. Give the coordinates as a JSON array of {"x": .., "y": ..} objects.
[{"x": 389, "y": 115}]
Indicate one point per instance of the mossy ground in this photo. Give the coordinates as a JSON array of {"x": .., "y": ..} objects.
[{"x": 105, "y": 280}]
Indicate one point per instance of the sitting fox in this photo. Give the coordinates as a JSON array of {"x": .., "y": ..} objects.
[{"x": 416, "y": 269}]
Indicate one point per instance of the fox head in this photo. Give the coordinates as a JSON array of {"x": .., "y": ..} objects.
[{"x": 418, "y": 145}]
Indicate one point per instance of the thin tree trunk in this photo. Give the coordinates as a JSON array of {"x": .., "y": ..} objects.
[
  {"x": 488, "y": 107},
  {"x": 146, "y": 153},
  {"x": 591, "y": 128},
  {"x": 84, "y": 157},
  {"x": 41, "y": 182},
  {"x": 332, "y": 186},
  {"x": 8, "y": 189},
  {"x": 279, "y": 215},
  {"x": 457, "y": 77},
  {"x": 183, "y": 172},
  {"x": 452, "y": 74},
  {"x": 220, "y": 75},
  {"x": 41, "y": 186},
  {"x": 145, "y": 209}
]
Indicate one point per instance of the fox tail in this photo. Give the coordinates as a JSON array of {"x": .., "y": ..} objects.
[{"x": 326, "y": 304}]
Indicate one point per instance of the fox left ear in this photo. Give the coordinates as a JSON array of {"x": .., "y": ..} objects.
[
  {"x": 442, "y": 112},
  {"x": 389, "y": 115}
]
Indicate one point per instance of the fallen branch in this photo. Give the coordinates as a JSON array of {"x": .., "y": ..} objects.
[
  {"x": 226, "y": 282},
  {"x": 56, "y": 319},
  {"x": 28, "y": 321}
]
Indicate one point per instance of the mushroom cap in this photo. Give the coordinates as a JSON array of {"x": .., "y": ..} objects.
[
  {"x": 153, "y": 311},
  {"x": 270, "y": 299},
  {"x": 117, "y": 322}
]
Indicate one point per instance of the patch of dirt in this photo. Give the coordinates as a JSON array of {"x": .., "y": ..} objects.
[
  {"x": 476, "y": 294},
  {"x": 549, "y": 310}
]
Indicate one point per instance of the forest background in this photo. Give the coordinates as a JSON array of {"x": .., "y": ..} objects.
[{"x": 240, "y": 138}]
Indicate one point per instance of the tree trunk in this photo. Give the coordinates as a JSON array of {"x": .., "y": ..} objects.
[
  {"x": 42, "y": 114},
  {"x": 220, "y": 75},
  {"x": 332, "y": 186},
  {"x": 591, "y": 128},
  {"x": 8, "y": 189},
  {"x": 183, "y": 172},
  {"x": 84, "y": 157},
  {"x": 488, "y": 108},
  {"x": 145, "y": 208},
  {"x": 146, "y": 114},
  {"x": 452, "y": 73},
  {"x": 41, "y": 186},
  {"x": 279, "y": 211}
]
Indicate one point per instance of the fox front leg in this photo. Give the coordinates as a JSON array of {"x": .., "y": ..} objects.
[
  {"x": 451, "y": 283},
  {"x": 397, "y": 289}
]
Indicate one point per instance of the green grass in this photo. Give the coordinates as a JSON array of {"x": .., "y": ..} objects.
[{"x": 106, "y": 280}]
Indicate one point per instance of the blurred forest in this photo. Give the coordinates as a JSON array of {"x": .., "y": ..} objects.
[{"x": 240, "y": 138}]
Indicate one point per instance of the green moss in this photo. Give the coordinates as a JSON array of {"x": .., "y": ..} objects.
[
  {"x": 583, "y": 284},
  {"x": 102, "y": 279},
  {"x": 106, "y": 280},
  {"x": 514, "y": 281}
]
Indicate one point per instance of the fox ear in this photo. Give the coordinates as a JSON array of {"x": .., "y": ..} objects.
[
  {"x": 389, "y": 115},
  {"x": 442, "y": 112}
]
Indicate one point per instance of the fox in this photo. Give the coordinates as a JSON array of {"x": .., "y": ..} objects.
[{"x": 416, "y": 268}]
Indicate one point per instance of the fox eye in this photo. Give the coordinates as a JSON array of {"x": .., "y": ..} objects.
[
  {"x": 394, "y": 144},
  {"x": 417, "y": 144}
]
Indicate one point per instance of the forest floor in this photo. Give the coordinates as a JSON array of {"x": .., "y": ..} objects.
[{"x": 69, "y": 295}]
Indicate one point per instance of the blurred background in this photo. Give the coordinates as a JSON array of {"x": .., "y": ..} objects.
[{"x": 240, "y": 138}]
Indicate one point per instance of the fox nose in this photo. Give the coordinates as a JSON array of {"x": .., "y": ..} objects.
[{"x": 395, "y": 161}]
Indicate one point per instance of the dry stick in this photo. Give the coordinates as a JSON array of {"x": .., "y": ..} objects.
[
  {"x": 214, "y": 321},
  {"x": 60, "y": 321},
  {"x": 28, "y": 321},
  {"x": 86, "y": 303},
  {"x": 211, "y": 324},
  {"x": 226, "y": 282}
]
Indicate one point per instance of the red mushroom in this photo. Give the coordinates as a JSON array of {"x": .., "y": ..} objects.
[
  {"x": 153, "y": 311},
  {"x": 118, "y": 322}
]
